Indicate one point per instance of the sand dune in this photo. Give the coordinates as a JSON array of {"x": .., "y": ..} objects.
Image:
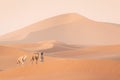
[
  {"x": 45, "y": 24},
  {"x": 97, "y": 52},
  {"x": 82, "y": 64},
  {"x": 46, "y": 46},
  {"x": 8, "y": 57},
  {"x": 98, "y": 59},
  {"x": 69, "y": 28},
  {"x": 10, "y": 53},
  {"x": 64, "y": 69}
]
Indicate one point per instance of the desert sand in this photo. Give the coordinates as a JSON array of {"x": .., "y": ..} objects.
[
  {"x": 62, "y": 69},
  {"x": 91, "y": 63},
  {"x": 66, "y": 70},
  {"x": 75, "y": 48}
]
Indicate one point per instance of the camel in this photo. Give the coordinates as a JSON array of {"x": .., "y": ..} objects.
[
  {"x": 21, "y": 59},
  {"x": 35, "y": 57}
]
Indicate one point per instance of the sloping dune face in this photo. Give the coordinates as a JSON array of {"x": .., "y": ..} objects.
[
  {"x": 69, "y": 28},
  {"x": 63, "y": 69},
  {"x": 45, "y": 24},
  {"x": 46, "y": 46},
  {"x": 8, "y": 57},
  {"x": 97, "y": 52}
]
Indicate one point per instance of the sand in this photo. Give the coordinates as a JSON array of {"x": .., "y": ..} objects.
[
  {"x": 96, "y": 52},
  {"x": 46, "y": 46},
  {"x": 62, "y": 65},
  {"x": 8, "y": 57},
  {"x": 65, "y": 69},
  {"x": 75, "y": 48}
]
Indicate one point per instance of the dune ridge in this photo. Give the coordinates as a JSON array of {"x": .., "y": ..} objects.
[
  {"x": 41, "y": 25},
  {"x": 97, "y": 52},
  {"x": 46, "y": 46}
]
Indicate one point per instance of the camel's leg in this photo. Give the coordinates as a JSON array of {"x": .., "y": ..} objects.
[
  {"x": 36, "y": 61},
  {"x": 32, "y": 61},
  {"x": 36, "y": 58},
  {"x": 21, "y": 62},
  {"x": 18, "y": 62}
]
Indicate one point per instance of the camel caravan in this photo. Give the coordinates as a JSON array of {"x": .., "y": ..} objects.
[{"x": 34, "y": 59}]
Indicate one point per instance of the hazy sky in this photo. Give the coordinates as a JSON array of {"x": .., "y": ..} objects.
[{"x": 15, "y": 14}]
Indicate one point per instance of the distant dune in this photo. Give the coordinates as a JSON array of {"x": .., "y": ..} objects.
[
  {"x": 69, "y": 28},
  {"x": 42, "y": 25}
]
